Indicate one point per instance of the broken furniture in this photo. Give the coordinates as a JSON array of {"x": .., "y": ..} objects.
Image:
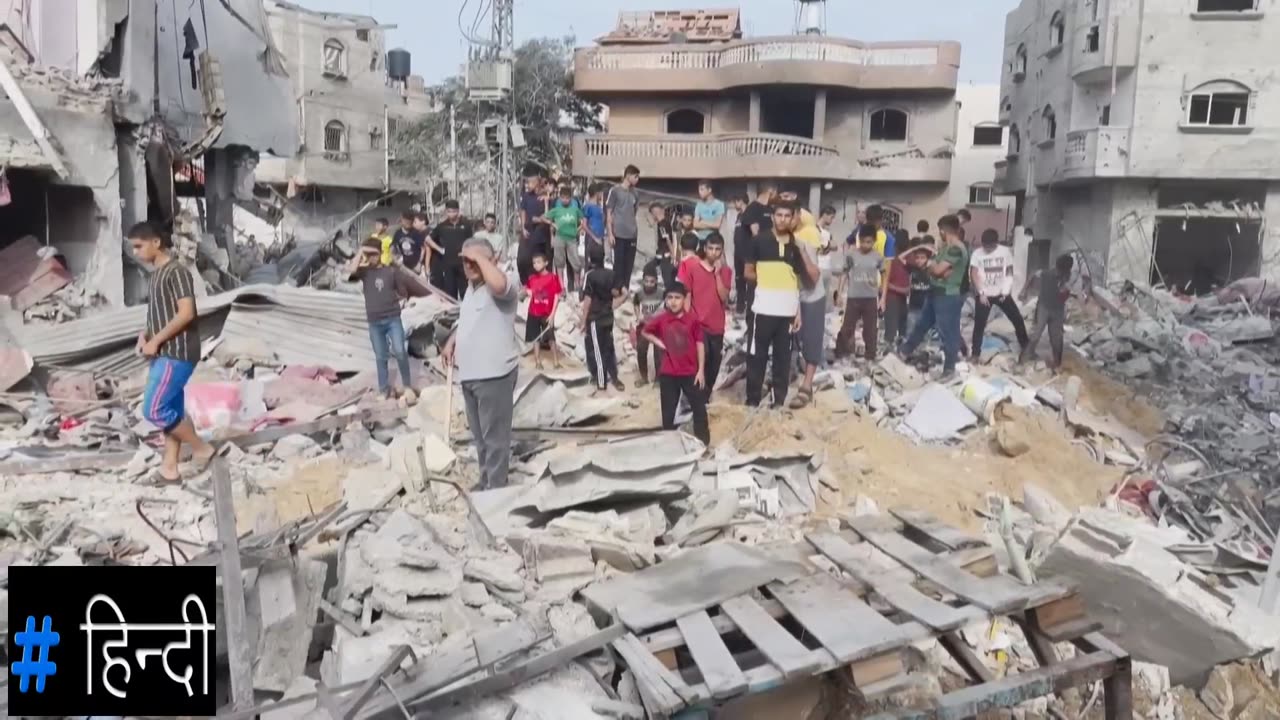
[{"x": 722, "y": 645}]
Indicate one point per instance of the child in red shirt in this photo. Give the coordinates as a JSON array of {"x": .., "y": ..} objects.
[
  {"x": 544, "y": 290},
  {"x": 894, "y": 294},
  {"x": 684, "y": 356},
  {"x": 707, "y": 281}
]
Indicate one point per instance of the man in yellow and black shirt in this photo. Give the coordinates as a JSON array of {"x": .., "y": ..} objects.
[{"x": 778, "y": 268}]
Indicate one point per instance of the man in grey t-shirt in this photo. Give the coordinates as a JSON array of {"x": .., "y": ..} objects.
[
  {"x": 620, "y": 221},
  {"x": 483, "y": 346}
]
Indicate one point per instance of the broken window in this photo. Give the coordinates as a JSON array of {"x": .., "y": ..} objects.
[
  {"x": 1015, "y": 140},
  {"x": 888, "y": 124},
  {"x": 1105, "y": 118},
  {"x": 686, "y": 122},
  {"x": 1093, "y": 40},
  {"x": 1057, "y": 29},
  {"x": 980, "y": 194},
  {"x": 335, "y": 137},
  {"x": 1050, "y": 123},
  {"x": 1221, "y": 104},
  {"x": 988, "y": 135},
  {"x": 1020, "y": 61},
  {"x": 1226, "y": 5},
  {"x": 362, "y": 34},
  {"x": 335, "y": 58}
]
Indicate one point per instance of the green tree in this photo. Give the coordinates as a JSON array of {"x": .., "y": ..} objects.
[{"x": 546, "y": 108}]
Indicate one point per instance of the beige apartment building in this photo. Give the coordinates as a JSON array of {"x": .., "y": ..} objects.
[{"x": 839, "y": 121}]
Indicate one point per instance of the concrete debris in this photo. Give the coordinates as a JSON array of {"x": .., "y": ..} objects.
[{"x": 938, "y": 415}]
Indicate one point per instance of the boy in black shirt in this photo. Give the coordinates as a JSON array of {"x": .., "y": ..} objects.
[
  {"x": 663, "y": 261},
  {"x": 449, "y": 235},
  {"x": 384, "y": 286},
  {"x": 599, "y": 298}
]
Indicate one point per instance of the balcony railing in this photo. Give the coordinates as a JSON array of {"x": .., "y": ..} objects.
[
  {"x": 760, "y": 51},
  {"x": 1098, "y": 152},
  {"x": 697, "y": 147}
]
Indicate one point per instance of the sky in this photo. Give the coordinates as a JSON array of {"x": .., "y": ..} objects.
[{"x": 428, "y": 29}]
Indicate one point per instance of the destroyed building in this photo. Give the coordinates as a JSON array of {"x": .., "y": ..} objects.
[
  {"x": 840, "y": 121},
  {"x": 95, "y": 122},
  {"x": 1140, "y": 133},
  {"x": 352, "y": 95}
]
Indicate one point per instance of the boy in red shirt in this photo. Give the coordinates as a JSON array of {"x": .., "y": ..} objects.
[
  {"x": 684, "y": 355},
  {"x": 707, "y": 281},
  {"x": 894, "y": 294},
  {"x": 544, "y": 289}
]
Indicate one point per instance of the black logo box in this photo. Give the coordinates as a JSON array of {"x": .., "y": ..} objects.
[{"x": 155, "y": 595}]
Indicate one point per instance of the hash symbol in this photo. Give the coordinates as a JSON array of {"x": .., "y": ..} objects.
[{"x": 42, "y": 667}]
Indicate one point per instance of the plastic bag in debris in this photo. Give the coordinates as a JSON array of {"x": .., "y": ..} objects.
[{"x": 213, "y": 405}]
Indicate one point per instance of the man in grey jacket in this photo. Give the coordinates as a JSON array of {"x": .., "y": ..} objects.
[{"x": 484, "y": 349}]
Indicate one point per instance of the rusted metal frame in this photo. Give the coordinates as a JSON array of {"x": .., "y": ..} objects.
[{"x": 1013, "y": 690}]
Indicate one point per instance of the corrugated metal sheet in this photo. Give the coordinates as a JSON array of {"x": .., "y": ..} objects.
[
  {"x": 301, "y": 337},
  {"x": 78, "y": 342}
]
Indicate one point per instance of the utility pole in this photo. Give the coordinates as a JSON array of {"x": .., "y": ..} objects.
[
  {"x": 490, "y": 77},
  {"x": 453, "y": 149}
]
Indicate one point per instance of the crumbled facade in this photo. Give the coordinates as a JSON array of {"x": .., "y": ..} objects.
[
  {"x": 839, "y": 121},
  {"x": 1138, "y": 134}
]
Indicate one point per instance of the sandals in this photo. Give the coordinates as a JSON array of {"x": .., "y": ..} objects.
[
  {"x": 202, "y": 464},
  {"x": 157, "y": 477},
  {"x": 803, "y": 397}
]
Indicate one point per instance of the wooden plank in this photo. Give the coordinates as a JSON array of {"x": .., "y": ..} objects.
[
  {"x": 663, "y": 693},
  {"x": 842, "y": 623},
  {"x": 999, "y": 594},
  {"x": 966, "y": 657},
  {"x": 881, "y": 668},
  {"x": 721, "y": 674},
  {"x": 949, "y": 537},
  {"x": 898, "y": 593},
  {"x": 69, "y": 462},
  {"x": 782, "y": 649},
  {"x": 371, "y": 685},
  {"x": 239, "y": 649}
]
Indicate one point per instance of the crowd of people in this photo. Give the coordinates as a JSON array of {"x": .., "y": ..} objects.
[{"x": 788, "y": 273}]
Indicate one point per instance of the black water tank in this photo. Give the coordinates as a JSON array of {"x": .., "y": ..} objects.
[{"x": 398, "y": 64}]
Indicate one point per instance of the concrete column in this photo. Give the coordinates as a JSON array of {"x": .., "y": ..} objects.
[
  {"x": 219, "y": 180},
  {"x": 820, "y": 115},
  {"x": 753, "y": 118},
  {"x": 815, "y": 197},
  {"x": 1271, "y": 234}
]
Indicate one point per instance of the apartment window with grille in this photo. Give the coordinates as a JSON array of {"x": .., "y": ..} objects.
[
  {"x": 335, "y": 137},
  {"x": 1218, "y": 105},
  {"x": 988, "y": 135},
  {"x": 980, "y": 194},
  {"x": 335, "y": 58},
  {"x": 888, "y": 125}
]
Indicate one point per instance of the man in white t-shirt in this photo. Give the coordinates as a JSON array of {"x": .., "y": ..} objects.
[
  {"x": 831, "y": 256},
  {"x": 991, "y": 275}
]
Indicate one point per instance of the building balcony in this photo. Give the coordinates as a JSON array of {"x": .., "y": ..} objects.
[
  {"x": 793, "y": 60},
  {"x": 1010, "y": 176},
  {"x": 1103, "y": 44},
  {"x": 744, "y": 155},
  {"x": 1097, "y": 153}
]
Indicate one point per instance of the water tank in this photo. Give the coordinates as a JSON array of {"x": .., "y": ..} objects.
[{"x": 398, "y": 64}]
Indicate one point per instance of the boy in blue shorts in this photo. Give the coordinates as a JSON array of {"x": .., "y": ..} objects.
[{"x": 171, "y": 340}]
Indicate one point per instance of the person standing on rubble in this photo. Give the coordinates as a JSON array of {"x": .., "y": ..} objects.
[
  {"x": 620, "y": 218},
  {"x": 489, "y": 231},
  {"x": 776, "y": 267},
  {"x": 171, "y": 340},
  {"x": 532, "y": 230},
  {"x": 380, "y": 227},
  {"x": 485, "y": 350},
  {"x": 1051, "y": 309},
  {"x": 813, "y": 305},
  {"x": 756, "y": 218},
  {"x": 991, "y": 271},
  {"x": 449, "y": 236},
  {"x": 684, "y": 354},
  {"x": 708, "y": 213},
  {"x": 864, "y": 272},
  {"x": 707, "y": 283},
  {"x": 663, "y": 261},
  {"x": 942, "y": 307},
  {"x": 648, "y": 300},
  {"x": 569, "y": 224},
  {"x": 600, "y": 295},
  {"x": 384, "y": 286},
  {"x": 423, "y": 245}
]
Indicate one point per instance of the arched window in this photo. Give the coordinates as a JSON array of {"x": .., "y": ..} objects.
[
  {"x": 1057, "y": 29},
  {"x": 1050, "y": 123},
  {"x": 1221, "y": 103},
  {"x": 1015, "y": 141},
  {"x": 1020, "y": 62},
  {"x": 335, "y": 137},
  {"x": 686, "y": 121},
  {"x": 888, "y": 124},
  {"x": 335, "y": 58}
]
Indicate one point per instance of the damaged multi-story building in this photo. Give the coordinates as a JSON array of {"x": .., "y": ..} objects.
[
  {"x": 351, "y": 97},
  {"x": 839, "y": 121},
  {"x": 114, "y": 109},
  {"x": 1141, "y": 135}
]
